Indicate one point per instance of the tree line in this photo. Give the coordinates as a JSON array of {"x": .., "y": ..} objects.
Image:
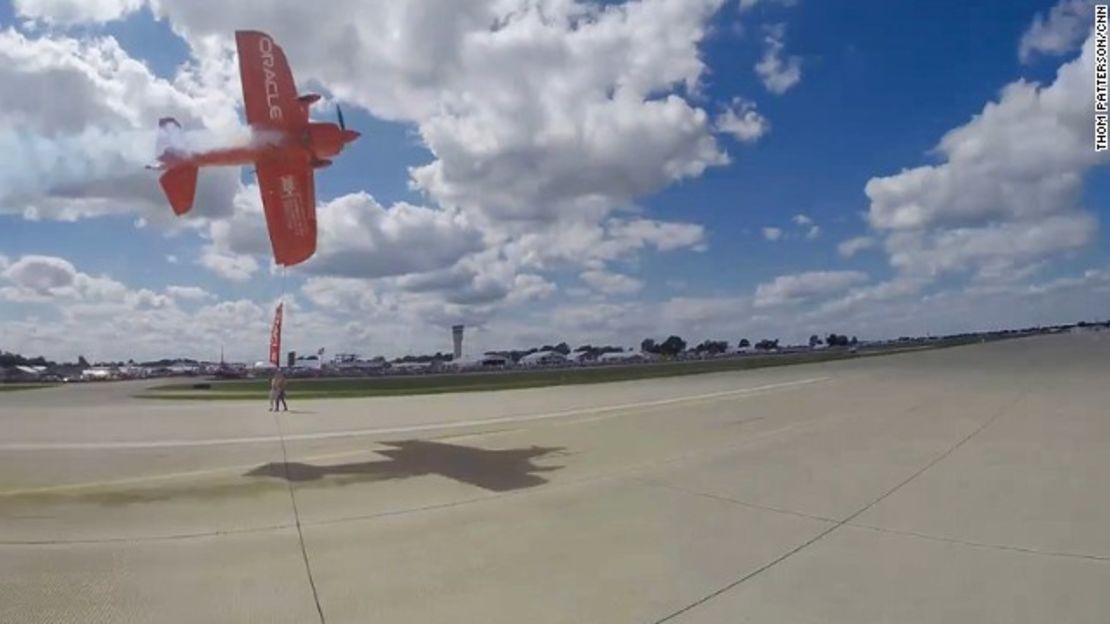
[
  {"x": 674, "y": 345},
  {"x": 833, "y": 340},
  {"x": 563, "y": 348},
  {"x": 8, "y": 359},
  {"x": 670, "y": 347}
]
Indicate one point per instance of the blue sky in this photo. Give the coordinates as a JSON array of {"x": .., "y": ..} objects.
[{"x": 880, "y": 84}]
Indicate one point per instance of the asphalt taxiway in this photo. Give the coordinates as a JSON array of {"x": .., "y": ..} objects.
[{"x": 957, "y": 485}]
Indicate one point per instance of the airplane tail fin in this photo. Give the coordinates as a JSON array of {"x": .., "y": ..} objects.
[
  {"x": 179, "y": 182},
  {"x": 180, "y": 185}
]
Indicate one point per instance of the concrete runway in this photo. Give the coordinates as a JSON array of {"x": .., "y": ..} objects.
[{"x": 959, "y": 485}]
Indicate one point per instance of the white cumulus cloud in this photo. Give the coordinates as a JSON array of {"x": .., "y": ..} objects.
[
  {"x": 361, "y": 238},
  {"x": 852, "y": 246},
  {"x": 801, "y": 287},
  {"x": 38, "y": 278},
  {"x": 76, "y": 11},
  {"x": 778, "y": 74},
  {"x": 1008, "y": 192},
  {"x": 743, "y": 122},
  {"x": 82, "y": 115},
  {"x": 612, "y": 283},
  {"x": 748, "y": 5},
  {"x": 531, "y": 110},
  {"x": 234, "y": 267},
  {"x": 993, "y": 251},
  {"x": 1060, "y": 32},
  {"x": 188, "y": 293},
  {"x": 543, "y": 122}
]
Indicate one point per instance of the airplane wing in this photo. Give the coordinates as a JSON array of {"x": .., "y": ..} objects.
[
  {"x": 269, "y": 93},
  {"x": 289, "y": 201}
]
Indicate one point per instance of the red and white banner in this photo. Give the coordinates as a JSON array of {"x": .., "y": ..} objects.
[{"x": 275, "y": 338}]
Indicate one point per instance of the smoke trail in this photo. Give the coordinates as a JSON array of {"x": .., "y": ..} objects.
[
  {"x": 44, "y": 164},
  {"x": 64, "y": 165}
]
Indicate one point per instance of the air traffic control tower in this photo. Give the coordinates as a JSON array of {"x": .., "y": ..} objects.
[{"x": 457, "y": 334}]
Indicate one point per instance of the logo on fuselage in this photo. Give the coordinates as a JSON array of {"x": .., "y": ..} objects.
[
  {"x": 291, "y": 205},
  {"x": 266, "y": 47}
]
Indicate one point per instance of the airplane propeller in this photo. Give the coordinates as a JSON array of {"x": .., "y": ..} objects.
[{"x": 339, "y": 113}]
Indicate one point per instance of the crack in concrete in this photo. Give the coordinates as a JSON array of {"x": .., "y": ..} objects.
[{"x": 813, "y": 540}]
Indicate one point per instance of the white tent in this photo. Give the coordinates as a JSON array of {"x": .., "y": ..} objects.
[
  {"x": 623, "y": 356},
  {"x": 543, "y": 358},
  {"x": 96, "y": 373},
  {"x": 495, "y": 360},
  {"x": 308, "y": 362}
]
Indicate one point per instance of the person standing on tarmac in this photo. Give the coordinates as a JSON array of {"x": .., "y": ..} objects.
[
  {"x": 273, "y": 393},
  {"x": 277, "y": 391}
]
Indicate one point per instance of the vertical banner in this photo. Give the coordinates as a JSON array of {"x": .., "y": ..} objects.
[{"x": 275, "y": 338}]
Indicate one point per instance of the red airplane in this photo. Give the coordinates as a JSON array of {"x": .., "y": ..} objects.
[{"x": 285, "y": 149}]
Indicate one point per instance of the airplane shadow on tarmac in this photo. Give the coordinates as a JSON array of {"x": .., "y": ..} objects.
[{"x": 494, "y": 470}]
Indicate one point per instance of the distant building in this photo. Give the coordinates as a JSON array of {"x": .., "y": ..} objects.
[
  {"x": 308, "y": 362},
  {"x": 582, "y": 357},
  {"x": 621, "y": 356},
  {"x": 133, "y": 372},
  {"x": 23, "y": 373},
  {"x": 98, "y": 374},
  {"x": 543, "y": 358},
  {"x": 410, "y": 367},
  {"x": 495, "y": 360},
  {"x": 351, "y": 361},
  {"x": 183, "y": 368}
]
